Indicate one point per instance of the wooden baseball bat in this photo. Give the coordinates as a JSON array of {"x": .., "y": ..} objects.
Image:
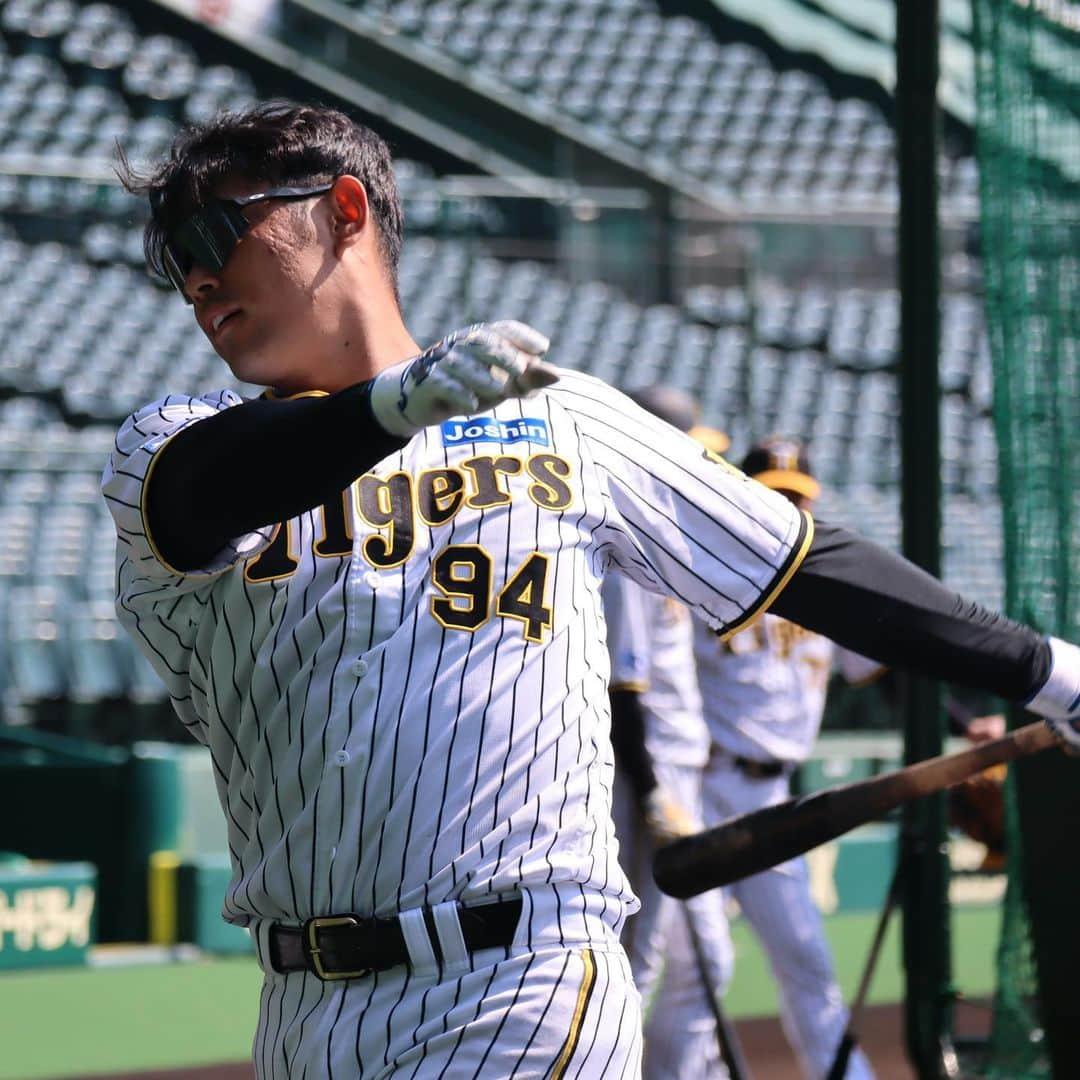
[{"x": 753, "y": 842}]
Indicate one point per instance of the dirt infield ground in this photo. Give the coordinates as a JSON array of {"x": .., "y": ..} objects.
[{"x": 763, "y": 1042}]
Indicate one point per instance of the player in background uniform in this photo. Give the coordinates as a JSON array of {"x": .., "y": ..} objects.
[
  {"x": 374, "y": 596},
  {"x": 661, "y": 746},
  {"x": 765, "y": 691}
]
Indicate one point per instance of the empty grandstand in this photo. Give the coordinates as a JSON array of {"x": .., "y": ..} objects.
[{"x": 635, "y": 98}]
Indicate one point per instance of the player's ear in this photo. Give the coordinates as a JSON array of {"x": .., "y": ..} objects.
[{"x": 349, "y": 208}]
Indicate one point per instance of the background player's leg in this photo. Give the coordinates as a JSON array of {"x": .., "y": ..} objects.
[
  {"x": 778, "y": 905},
  {"x": 680, "y": 1033},
  {"x": 780, "y": 908},
  {"x": 645, "y": 934},
  {"x": 680, "y": 1029}
]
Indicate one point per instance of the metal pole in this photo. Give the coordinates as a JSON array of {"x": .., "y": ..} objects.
[{"x": 924, "y": 873}]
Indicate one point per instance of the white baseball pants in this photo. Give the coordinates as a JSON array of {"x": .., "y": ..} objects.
[
  {"x": 778, "y": 905},
  {"x": 563, "y": 1006},
  {"x": 680, "y": 1029}
]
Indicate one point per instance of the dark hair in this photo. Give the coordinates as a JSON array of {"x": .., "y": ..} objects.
[{"x": 276, "y": 143}]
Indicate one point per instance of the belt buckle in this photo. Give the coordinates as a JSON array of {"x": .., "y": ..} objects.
[{"x": 314, "y": 953}]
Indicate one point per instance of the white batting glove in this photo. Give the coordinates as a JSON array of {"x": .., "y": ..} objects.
[
  {"x": 666, "y": 818},
  {"x": 1058, "y": 702},
  {"x": 468, "y": 371}
]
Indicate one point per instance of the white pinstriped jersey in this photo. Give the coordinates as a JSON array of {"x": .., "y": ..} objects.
[
  {"x": 404, "y": 694},
  {"x": 651, "y": 645},
  {"x": 764, "y": 687}
]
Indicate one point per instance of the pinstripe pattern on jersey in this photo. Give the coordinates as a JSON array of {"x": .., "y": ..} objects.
[
  {"x": 651, "y": 640},
  {"x": 370, "y": 759},
  {"x": 794, "y": 560},
  {"x": 764, "y": 688},
  {"x": 612, "y": 421},
  {"x": 139, "y": 443},
  {"x": 700, "y": 531}
]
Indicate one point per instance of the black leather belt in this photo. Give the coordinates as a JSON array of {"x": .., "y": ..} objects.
[
  {"x": 760, "y": 770},
  {"x": 351, "y": 946}
]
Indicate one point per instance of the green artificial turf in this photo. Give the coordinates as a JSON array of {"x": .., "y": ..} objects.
[
  {"x": 975, "y": 936},
  {"x": 77, "y": 1021}
]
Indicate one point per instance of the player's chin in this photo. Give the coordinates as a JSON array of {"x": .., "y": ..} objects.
[
  {"x": 248, "y": 363},
  {"x": 251, "y": 370}
]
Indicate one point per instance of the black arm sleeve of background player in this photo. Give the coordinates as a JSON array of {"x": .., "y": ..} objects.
[
  {"x": 628, "y": 741},
  {"x": 257, "y": 464},
  {"x": 876, "y": 603}
]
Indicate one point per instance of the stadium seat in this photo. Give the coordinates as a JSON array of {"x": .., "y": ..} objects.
[
  {"x": 815, "y": 361},
  {"x": 37, "y": 620},
  {"x": 99, "y": 45},
  {"x": 648, "y": 78}
]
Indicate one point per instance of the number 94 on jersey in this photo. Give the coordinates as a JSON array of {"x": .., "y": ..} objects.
[{"x": 466, "y": 597}]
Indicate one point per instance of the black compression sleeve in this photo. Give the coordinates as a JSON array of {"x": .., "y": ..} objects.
[
  {"x": 257, "y": 464},
  {"x": 879, "y": 604},
  {"x": 628, "y": 740}
]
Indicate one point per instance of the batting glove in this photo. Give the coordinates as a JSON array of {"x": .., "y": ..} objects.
[
  {"x": 1058, "y": 702},
  {"x": 468, "y": 371},
  {"x": 666, "y": 818}
]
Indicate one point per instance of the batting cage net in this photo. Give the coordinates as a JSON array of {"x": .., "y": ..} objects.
[{"x": 1028, "y": 130}]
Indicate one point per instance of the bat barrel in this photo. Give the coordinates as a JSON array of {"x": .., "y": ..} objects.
[
  {"x": 753, "y": 842},
  {"x": 748, "y": 844},
  {"x": 680, "y": 868}
]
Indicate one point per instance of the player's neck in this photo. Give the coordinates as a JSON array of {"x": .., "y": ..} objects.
[
  {"x": 375, "y": 340},
  {"x": 365, "y": 339}
]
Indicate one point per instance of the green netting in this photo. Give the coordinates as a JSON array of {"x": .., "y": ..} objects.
[
  {"x": 1028, "y": 137},
  {"x": 1016, "y": 1049}
]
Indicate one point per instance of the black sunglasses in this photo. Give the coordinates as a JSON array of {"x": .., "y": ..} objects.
[{"x": 207, "y": 237}]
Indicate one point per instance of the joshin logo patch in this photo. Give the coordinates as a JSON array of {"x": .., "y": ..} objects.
[{"x": 527, "y": 429}]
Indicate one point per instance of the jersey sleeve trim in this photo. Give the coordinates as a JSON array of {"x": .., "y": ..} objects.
[
  {"x": 783, "y": 576},
  {"x": 634, "y": 686},
  {"x": 270, "y": 394}
]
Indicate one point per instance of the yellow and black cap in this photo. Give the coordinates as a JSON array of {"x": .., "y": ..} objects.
[{"x": 783, "y": 465}]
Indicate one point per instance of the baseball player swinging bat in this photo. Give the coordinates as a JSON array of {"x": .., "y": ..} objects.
[{"x": 750, "y": 843}]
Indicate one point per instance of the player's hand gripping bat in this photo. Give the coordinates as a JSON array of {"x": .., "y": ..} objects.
[{"x": 753, "y": 842}]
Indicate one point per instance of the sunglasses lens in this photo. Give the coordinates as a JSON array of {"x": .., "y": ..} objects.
[
  {"x": 176, "y": 264},
  {"x": 206, "y": 239}
]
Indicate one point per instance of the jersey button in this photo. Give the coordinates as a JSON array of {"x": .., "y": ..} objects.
[
  {"x": 371, "y": 579},
  {"x": 341, "y": 757},
  {"x": 359, "y": 668}
]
